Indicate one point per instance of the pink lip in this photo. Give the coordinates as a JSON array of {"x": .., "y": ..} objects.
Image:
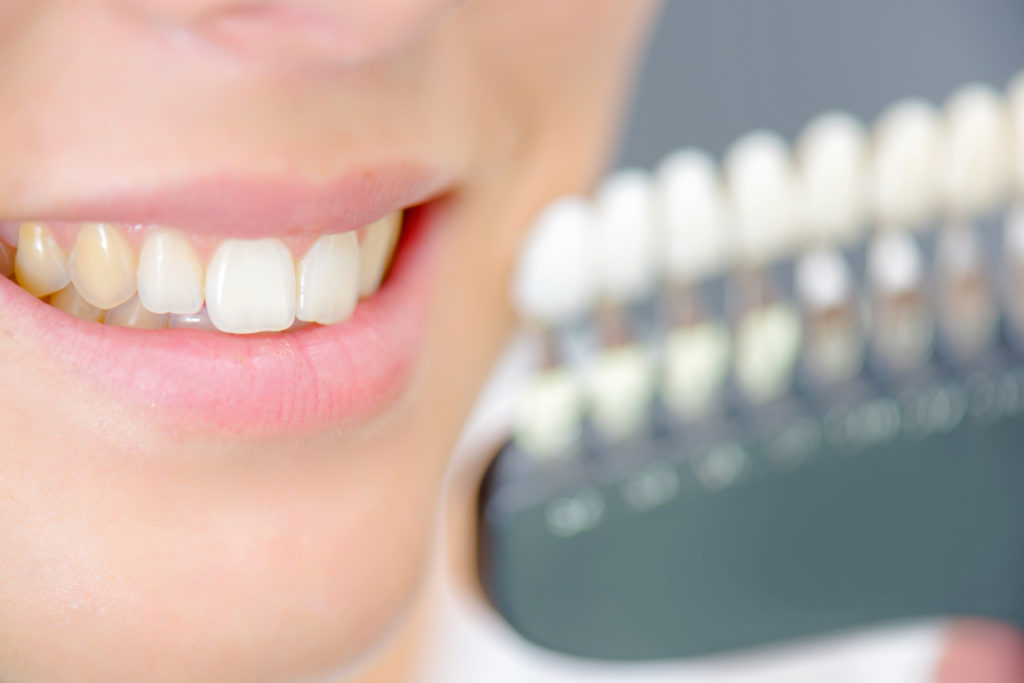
[
  {"x": 264, "y": 207},
  {"x": 259, "y": 384}
]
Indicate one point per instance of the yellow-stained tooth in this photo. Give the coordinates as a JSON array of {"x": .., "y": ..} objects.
[
  {"x": 375, "y": 250},
  {"x": 40, "y": 265},
  {"x": 133, "y": 314},
  {"x": 69, "y": 301},
  {"x": 6, "y": 260},
  {"x": 103, "y": 265}
]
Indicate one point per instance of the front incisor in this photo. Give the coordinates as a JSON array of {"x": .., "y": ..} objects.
[
  {"x": 103, "y": 266},
  {"x": 40, "y": 265}
]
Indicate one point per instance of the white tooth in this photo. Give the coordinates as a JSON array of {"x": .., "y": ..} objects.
[
  {"x": 976, "y": 160},
  {"x": 692, "y": 208},
  {"x": 193, "y": 321},
  {"x": 904, "y": 166},
  {"x": 1015, "y": 95},
  {"x": 328, "y": 279},
  {"x": 6, "y": 260},
  {"x": 832, "y": 153},
  {"x": 250, "y": 286},
  {"x": 762, "y": 188},
  {"x": 40, "y": 265},
  {"x": 72, "y": 303},
  {"x": 133, "y": 314},
  {"x": 627, "y": 245},
  {"x": 103, "y": 265},
  {"x": 170, "y": 275},
  {"x": 375, "y": 250},
  {"x": 555, "y": 280}
]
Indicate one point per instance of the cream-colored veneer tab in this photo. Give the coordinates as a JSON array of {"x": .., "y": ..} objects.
[
  {"x": 40, "y": 266},
  {"x": 103, "y": 265}
]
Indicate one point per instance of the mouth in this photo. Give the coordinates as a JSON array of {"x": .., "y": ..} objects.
[{"x": 245, "y": 321}]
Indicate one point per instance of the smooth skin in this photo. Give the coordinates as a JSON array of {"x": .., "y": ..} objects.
[{"x": 135, "y": 549}]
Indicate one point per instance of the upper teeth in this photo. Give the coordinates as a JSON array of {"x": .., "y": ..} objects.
[{"x": 248, "y": 286}]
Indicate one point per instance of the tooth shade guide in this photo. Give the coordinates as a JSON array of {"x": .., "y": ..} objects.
[
  {"x": 832, "y": 162},
  {"x": 691, "y": 207},
  {"x": 967, "y": 312},
  {"x": 833, "y": 331},
  {"x": 976, "y": 163},
  {"x": 548, "y": 415},
  {"x": 1015, "y": 97},
  {"x": 620, "y": 390},
  {"x": 833, "y": 344},
  {"x": 626, "y": 239},
  {"x": 696, "y": 366}
]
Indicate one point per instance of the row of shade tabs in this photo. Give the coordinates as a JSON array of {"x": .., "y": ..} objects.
[{"x": 858, "y": 250}]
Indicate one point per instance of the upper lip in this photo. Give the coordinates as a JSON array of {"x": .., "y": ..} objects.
[{"x": 261, "y": 206}]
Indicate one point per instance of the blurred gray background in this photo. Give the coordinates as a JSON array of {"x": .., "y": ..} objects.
[{"x": 717, "y": 69}]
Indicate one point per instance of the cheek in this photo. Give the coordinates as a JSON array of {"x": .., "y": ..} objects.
[{"x": 241, "y": 573}]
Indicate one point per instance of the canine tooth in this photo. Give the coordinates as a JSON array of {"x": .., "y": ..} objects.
[
  {"x": 697, "y": 363},
  {"x": 40, "y": 265},
  {"x": 328, "y": 279},
  {"x": 193, "y": 321},
  {"x": 905, "y": 188},
  {"x": 977, "y": 163},
  {"x": 170, "y": 275},
  {"x": 375, "y": 251},
  {"x": 7, "y": 257},
  {"x": 250, "y": 286},
  {"x": 72, "y": 303},
  {"x": 133, "y": 314},
  {"x": 103, "y": 266}
]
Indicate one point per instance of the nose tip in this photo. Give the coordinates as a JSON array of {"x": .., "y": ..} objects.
[{"x": 300, "y": 31}]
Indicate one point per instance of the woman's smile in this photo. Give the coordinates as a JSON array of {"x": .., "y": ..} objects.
[
  {"x": 257, "y": 260},
  {"x": 299, "y": 267}
]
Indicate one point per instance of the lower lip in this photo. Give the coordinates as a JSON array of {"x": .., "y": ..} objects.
[{"x": 262, "y": 384}]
